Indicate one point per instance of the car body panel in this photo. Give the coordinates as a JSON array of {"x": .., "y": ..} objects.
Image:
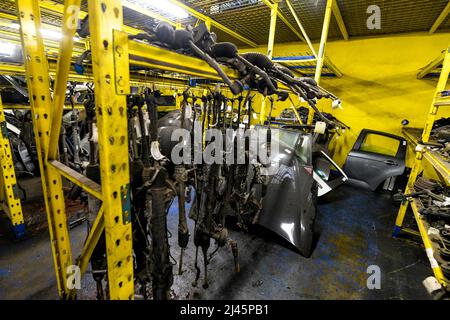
[
  {"x": 370, "y": 169},
  {"x": 289, "y": 201}
]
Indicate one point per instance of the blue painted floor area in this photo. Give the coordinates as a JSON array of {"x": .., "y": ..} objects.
[
  {"x": 354, "y": 232},
  {"x": 26, "y": 267}
]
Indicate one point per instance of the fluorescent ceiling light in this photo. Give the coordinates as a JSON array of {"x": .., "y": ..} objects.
[
  {"x": 56, "y": 35},
  {"x": 6, "y": 49},
  {"x": 51, "y": 34},
  {"x": 166, "y": 8},
  {"x": 14, "y": 26}
]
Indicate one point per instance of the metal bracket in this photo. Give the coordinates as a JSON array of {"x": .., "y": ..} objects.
[
  {"x": 16, "y": 191},
  {"x": 125, "y": 193}
]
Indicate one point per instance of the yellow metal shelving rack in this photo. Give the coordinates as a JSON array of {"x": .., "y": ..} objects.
[
  {"x": 440, "y": 165},
  {"x": 112, "y": 55},
  {"x": 9, "y": 194}
]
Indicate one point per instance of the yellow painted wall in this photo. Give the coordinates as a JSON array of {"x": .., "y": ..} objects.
[{"x": 379, "y": 87}]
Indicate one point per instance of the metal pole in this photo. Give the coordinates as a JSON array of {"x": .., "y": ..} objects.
[
  {"x": 111, "y": 112},
  {"x": 321, "y": 56},
  {"x": 273, "y": 24},
  {"x": 305, "y": 35},
  {"x": 323, "y": 40},
  {"x": 10, "y": 191},
  {"x": 38, "y": 82}
]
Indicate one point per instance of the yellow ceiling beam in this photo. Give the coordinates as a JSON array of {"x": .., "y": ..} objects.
[
  {"x": 50, "y": 45},
  {"x": 13, "y": 18},
  {"x": 305, "y": 35},
  {"x": 53, "y": 6},
  {"x": 432, "y": 65},
  {"x": 59, "y": 8},
  {"x": 214, "y": 23},
  {"x": 441, "y": 18},
  {"x": 340, "y": 20},
  {"x": 284, "y": 19}
]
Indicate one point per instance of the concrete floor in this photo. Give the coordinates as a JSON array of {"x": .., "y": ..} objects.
[{"x": 354, "y": 232}]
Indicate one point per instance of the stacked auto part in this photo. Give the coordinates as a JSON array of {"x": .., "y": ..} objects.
[{"x": 434, "y": 205}]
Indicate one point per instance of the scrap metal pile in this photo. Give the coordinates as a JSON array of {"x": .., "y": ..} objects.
[
  {"x": 440, "y": 136},
  {"x": 434, "y": 205}
]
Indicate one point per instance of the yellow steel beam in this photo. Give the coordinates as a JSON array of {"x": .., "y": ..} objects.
[
  {"x": 214, "y": 23},
  {"x": 438, "y": 164},
  {"x": 145, "y": 55},
  {"x": 416, "y": 170},
  {"x": 89, "y": 246},
  {"x": 272, "y": 29},
  {"x": 38, "y": 82},
  {"x": 323, "y": 40},
  {"x": 136, "y": 78},
  {"x": 305, "y": 35},
  {"x": 9, "y": 180},
  {"x": 441, "y": 18},
  {"x": 297, "y": 115},
  {"x": 14, "y": 37},
  {"x": 270, "y": 45},
  {"x": 12, "y": 69},
  {"x": 323, "y": 43},
  {"x": 50, "y": 45},
  {"x": 432, "y": 65},
  {"x": 59, "y": 8},
  {"x": 442, "y": 83},
  {"x": 12, "y": 18},
  {"x": 330, "y": 65},
  {"x": 54, "y": 6},
  {"x": 63, "y": 66},
  {"x": 7, "y": 16},
  {"x": 111, "y": 111},
  {"x": 423, "y": 229},
  {"x": 15, "y": 106},
  {"x": 284, "y": 19},
  {"x": 77, "y": 178},
  {"x": 340, "y": 20}
]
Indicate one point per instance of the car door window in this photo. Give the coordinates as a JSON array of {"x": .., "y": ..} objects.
[{"x": 380, "y": 144}]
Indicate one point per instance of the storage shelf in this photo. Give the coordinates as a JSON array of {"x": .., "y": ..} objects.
[
  {"x": 413, "y": 136},
  {"x": 431, "y": 247},
  {"x": 441, "y": 165},
  {"x": 442, "y": 102}
]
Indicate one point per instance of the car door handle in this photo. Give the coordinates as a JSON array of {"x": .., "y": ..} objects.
[{"x": 390, "y": 162}]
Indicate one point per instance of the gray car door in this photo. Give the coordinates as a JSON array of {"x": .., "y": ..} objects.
[{"x": 375, "y": 157}]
